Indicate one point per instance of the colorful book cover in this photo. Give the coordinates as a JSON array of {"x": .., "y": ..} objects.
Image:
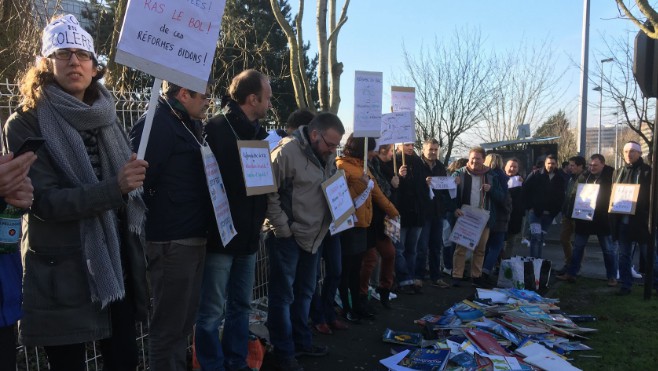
[
  {"x": 402, "y": 337},
  {"x": 426, "y": 359}
]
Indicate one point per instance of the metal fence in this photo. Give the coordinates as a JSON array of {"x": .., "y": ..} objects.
[{"x": 129, "y": 106}]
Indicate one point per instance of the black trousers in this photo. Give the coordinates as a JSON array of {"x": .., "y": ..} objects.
[{"x": 8, "y": 347}]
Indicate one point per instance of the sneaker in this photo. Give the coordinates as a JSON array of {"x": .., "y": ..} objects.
[
  {"x": 441, "y": 284},
  {"x": 566, "y": 277},
  {"x": 289, "y": 364},
  {"x": 447, "y": 271},
  {"x": 624, "y": 291},
  {"x": 612, "y": 282},
  {"x": 338, "y": 325},
  {"x": 634, "y": 273},
  {"x": 313, "y": 351},
  {"x": 323, "y": 328},
  {"x": 351, "y": 317}
]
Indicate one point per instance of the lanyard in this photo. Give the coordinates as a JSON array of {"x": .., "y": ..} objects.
[{"x": 201, "y": 144}]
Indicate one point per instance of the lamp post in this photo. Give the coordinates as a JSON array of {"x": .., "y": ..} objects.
[{"x": 600, "y": 90}]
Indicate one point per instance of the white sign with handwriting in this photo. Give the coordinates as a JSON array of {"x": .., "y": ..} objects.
[
  {"x": 218, "y": 196},
  {"x": 171, "y": 39},
  {"x": 338, "y": 197},
  {"x": 443, "y": 182},
  {"x": 368, "y": 88},
  {"x": 256, "y": 166},
  {"x": 403, "y": 99},
  {"x": 397, "y": 127}
]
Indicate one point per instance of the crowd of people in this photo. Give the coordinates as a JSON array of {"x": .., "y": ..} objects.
[{"x": 107, "y": 236}]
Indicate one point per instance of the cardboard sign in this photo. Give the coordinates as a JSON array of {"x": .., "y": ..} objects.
[
  {"x": 403, "y": 99},
  {"x": 468, "y": 228},
  {"x": 256, "y": 166},
  {"x": 368, "y": 88},
  {"x": 443, "y": 182},
  {"x": 347, "y": 224},
  {"x": 397, "y": 127},
  {"x": 171, "y": 39},
  {"x": 585, "y": 203},
  {"x": 338, "y": 197},
  {"x": 218, "y": 196},
  {"x": 623, "y": 199}
]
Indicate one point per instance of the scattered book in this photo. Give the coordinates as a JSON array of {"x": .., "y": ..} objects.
[
  {"x": 402, "y": 337},
  {"x": 426, "y": 359}
]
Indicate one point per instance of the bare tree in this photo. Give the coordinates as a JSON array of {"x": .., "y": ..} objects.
[
  {"x": 630, "y": 106},
  {"x": 329, "y": 69},
  {"x": 453, "y": 87},
  {"x": 525, "y": 88},
  {"x": 645, "y": 10},
  {"x": 20, "y": 40}
]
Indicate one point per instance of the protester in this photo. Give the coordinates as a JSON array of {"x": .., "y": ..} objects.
[
  {"x": 414, "y": 205},
  {"x": 179, "y": 213},
  {"x": 299, "y": 218},
  {"x": 301, "y": 116},
  {"x": 430, "y": 243},
  {"x": 229, "y": 272},
  {"x": 515, "y": 187},
  {"x": 577, "y": 165},
  {"x": 597, "y": 223},
  {"x": 629, "y": 229},
  {"x": 449, "y": 249},
  {"x": 381, "y": 167},
  {"x": 479, "y": 187},
  {"x": 84, "y": 264},
  {"x": 365, "y": 192},
  {"x": 544, "y": 195},
  {"x": 498, "y": 231},
  {"x": 15, "y": 190}
]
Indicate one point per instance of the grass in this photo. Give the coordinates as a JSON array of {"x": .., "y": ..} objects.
[{"x": 627, "y": 325}]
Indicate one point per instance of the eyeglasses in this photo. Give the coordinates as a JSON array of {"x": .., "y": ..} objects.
[
  {"x": 329, "y": 145},
  {"x": 65, "y": 55}
]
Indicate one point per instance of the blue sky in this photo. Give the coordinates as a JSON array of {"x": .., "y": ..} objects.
[{"x": 373, "y": 36}]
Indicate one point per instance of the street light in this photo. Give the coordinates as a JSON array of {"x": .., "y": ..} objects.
[{"x": 600, "y": 90}]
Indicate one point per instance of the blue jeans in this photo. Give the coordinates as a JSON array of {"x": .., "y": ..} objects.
[
  {"x": 495, "y": 245},
  {"x": 405, "y": 255},
  {"x": 322, "y": 306},
  {"x": 429, "y": 247},
  {"x": 537, "y": 239},
  {"x": 625, "y": 243},
  {"x": 226, "y": 294},
  {"x": 608, "y": 249},
  {"x": 291, "y": 287}
]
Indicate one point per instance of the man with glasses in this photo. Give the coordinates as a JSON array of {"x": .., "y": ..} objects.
[
  {"x": 179, "y": 212},
  {"x": 629, "y": 229},
  {"x": 228, "y": 277},
  {"x": 299, "y": 217}
]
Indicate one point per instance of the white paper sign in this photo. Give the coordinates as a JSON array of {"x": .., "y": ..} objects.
[
  {"x": 256, "y": 166},
  {"x": 218, "y": 196},
  {"x": 368, "y": 88},
  {"x": 338, "y": 197},
  {"x": 585, "y": 203},
  {"x": 347, "y": 224},
  {"x": 403, "y": 99},
  {"x": 623, "y": 199},
  {"x": 397, "y": 127},
  {"x": 443, "y": 182},
  {"x": 514, "y": 181},
  {"x": 468, "y": 228},
  {"x": 171, "y": 39}
]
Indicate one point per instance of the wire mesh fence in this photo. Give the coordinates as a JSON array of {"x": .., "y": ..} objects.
[{"x": 130, "y": 106}]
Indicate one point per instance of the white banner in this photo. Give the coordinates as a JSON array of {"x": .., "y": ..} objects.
[
  {"x": 397, "y": 127},
  {"x": 468, "y": 228},
  {"x": 403, "y": 99},
  {"x": 171, "y": 39},
  {"x": 368, "y": 88}
]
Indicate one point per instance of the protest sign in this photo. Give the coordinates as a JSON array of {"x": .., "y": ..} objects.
[
  {"x": 585, "y": 203},
  {"x": 218, "y": 196},
  {"x": 468, "y": 228},
  {"x": 347, "y": 224},
  {"x": 256, "y": 166},
  {"x": 443, "y": 182},
  {"x": 338, "y": 197},
  {"x": 172, "y": 40},
  {"x": 273, "y": 139},
  {"x": 514, "y": 181},
  {"x": 397, "y": 127},
  {"x": 367, "y": 104},
  {"x": 623, "y": 198},
  {"x": 403, "y": 99}
]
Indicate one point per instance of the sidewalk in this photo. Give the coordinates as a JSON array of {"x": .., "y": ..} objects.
[{"x": 361, "y": 348}]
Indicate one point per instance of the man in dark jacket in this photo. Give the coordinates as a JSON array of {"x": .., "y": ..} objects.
[
  {"x": 228, "y": 276},
  {"x": 544, "y": 193},
  {"x": 626, "y": 228},
  {"x": 597, "y": 223},
  {"x": 179, "y": 209},
  {"x": 576, "y": 166}
]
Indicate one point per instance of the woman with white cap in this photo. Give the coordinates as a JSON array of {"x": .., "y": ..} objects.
[{"x": 82, "y": 247}]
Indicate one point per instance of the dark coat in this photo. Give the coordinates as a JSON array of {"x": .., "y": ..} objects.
[
  {"x": 543, "y": 193},
  {"x": 57, "y": 302},
  {"x": 248, "y": 212},
  {"x": 413, "y": 201},
  {"x": 175, "y": 188},
  {"x": 637, "y": 173},
  {"x": 441, "y": 197},
  {"x": 600, "y": 223},
  {"x": 518, "y": 210},
  {"x": 496, "y": 195}
]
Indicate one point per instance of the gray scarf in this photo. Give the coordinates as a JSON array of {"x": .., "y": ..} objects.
[{"x": 61, "y": 116}]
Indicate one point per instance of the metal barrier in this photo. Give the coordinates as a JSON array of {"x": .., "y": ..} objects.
[{"x": 129, "y": 106}]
